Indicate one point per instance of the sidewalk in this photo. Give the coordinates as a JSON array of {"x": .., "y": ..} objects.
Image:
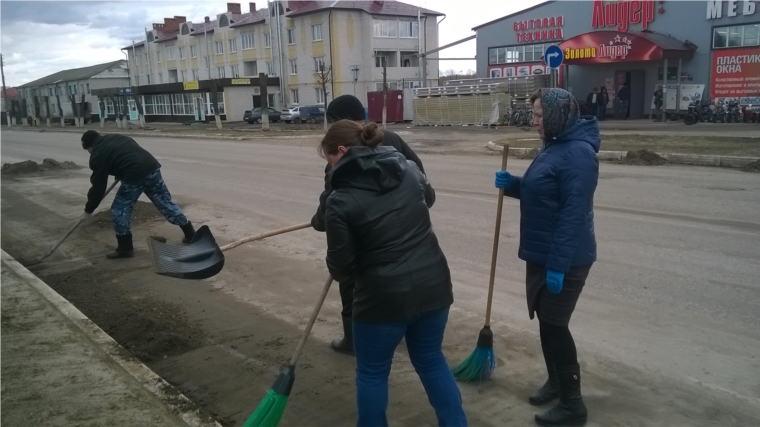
[{"x": 60, "y": 369}]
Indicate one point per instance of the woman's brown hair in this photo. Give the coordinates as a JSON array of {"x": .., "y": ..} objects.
[{"x": 349, "y": 133}]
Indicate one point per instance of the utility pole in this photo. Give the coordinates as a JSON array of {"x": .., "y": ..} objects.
[
  {"x": 5, "y": 92},
  {"x": 385, "y": 92}
]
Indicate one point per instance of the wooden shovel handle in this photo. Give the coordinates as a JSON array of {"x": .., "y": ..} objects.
[
  {"x": 264, "y": 235},
  {"x": 500, "y": 204}
]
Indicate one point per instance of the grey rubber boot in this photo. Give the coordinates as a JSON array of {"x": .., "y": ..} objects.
[{"x": 346, "y": 345}]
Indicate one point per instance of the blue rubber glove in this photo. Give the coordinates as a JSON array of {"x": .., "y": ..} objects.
[
  {"x": 554, "y": 280},
  {"x": 503, "y": 179}
]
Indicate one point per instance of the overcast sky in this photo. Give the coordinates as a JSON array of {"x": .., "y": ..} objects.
[{"x": 40, "y": 38}]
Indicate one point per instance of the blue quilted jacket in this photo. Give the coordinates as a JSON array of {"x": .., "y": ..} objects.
[{"x": 557, "y": 200}]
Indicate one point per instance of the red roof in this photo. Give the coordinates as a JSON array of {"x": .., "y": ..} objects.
[{"x": 393, "y": 8}]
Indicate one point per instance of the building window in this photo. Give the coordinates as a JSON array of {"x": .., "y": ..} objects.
[
  {"x": 183, "y": 104},
  {"x": 267, "y": 40},
  {"x": 408, "y": 29},
  {"x": 223, "y": 21},
  {"x": 220, "y": 71},
  {"x": 160, "y": 105},
  {"x": 219, "y": 48},
  {"x": 291, "y": 36},
  {"x": 195, "y": 74},
  {"x": 391, "y": 86},
  {"x": 210, "y": 107},
  {"x": 170, "y": 52},
  {"x": 194, "y": 51},
  {"x": 182, "y": 53},
  {"x": 248, "y": 40},
  {"x": 736, "y": 36},
  {"x": 235, "y": 71},
  {"x": 183, "y": 74},
  {"x": 270, "y": 69},
  {"x": 158, "y": 56},
  {"x": 233, "y": 45},
  {"x": 294, "y": 96},
  {"x": 250, "y": 68},
  {"x": 160, "y": 78},
  {"x": 72, "y": 89},
  {"x": 319, "y": 63},
  {"x": 185, "y": 29},
  {"x": 293, "y": 66},
  {"x": 109, "y": 107},
  {"x": 88, "y": 88},
  {"x": 52, "y": 91},
  {"x": 382, "y": 60},
  {"x": 320, "y": 95},
  {"x": 316, "y": 32},
  {"x": 385, "y": 28},
  {"x": 510, "y": 54}
]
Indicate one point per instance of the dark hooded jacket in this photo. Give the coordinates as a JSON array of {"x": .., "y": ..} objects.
[
  {"x": 390, "y": 139},
  {"x": 120, "y": 156},
  {"x": 379, "y": 234},
  {"x": 557, "y": 199}
]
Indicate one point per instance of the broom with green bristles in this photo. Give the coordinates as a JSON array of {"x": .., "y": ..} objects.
[
  {"x": 270, "y": 410},
  {"x": 479, "y": 365}
]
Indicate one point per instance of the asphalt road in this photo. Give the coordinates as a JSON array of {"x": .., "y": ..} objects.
[{"x": 676, "y": 289}]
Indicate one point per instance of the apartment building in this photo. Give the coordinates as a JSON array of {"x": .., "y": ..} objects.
[
  {"x": 289, "y": 42},
  {"x": 50, "y": 96}
]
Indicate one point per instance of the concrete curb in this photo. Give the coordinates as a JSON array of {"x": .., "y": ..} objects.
[
  {"x": 161, "y": 134},
  {"x": 675, "y": 158},
  {"x": 149, "y": 379}
]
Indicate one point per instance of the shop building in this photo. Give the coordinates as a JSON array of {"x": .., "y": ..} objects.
[
  {"x": 695, "y": 49},
  {"x": 289, "y": 42}
]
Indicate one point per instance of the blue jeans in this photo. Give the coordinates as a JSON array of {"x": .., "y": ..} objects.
[
  {"x": 154, "y": 187},
  {"x": 374, "y": 345}
]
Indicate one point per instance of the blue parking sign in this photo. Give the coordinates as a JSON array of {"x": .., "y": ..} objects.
[{"x": 553, "y": 56}]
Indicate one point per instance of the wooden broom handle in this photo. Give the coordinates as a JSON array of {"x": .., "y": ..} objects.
[
  {"x": 313, "y": 318},
  {"x": 500, "y": 204},
  {"x": 264, "y": 235}
]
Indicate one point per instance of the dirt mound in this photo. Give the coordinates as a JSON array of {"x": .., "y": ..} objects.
[
  {"x": 644, "y": 158},
  {"x": 143, "y": 212},
  {"x": 30, "y": 166},
  {"x": 752, "y": 167}
]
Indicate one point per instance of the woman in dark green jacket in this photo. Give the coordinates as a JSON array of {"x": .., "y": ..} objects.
[{"x": 379, "y": 234}]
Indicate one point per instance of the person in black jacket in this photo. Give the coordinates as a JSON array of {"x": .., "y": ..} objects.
[
  {"x": 139, "y": 172},
  {"x": 348, "y": 107},
  {"x": 379, "y": 236}
]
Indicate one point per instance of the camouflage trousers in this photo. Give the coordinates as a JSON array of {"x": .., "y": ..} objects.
[{"x": 154, "y": 187}]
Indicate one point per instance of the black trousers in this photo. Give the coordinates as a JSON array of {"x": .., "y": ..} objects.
[{"x": 347, "y": 298}]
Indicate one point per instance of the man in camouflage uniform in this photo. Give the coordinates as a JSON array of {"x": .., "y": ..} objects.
[{"x": 139, "y": 172}]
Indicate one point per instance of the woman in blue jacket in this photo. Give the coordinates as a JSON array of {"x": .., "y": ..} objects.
[{"x": 557, "y": 240}]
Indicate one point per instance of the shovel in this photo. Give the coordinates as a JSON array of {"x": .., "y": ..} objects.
[
  {"x": 202, "y": 258},
  {"x": 68, "y": 233}
]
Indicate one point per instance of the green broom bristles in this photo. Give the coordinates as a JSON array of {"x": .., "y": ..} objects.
[
  {"x": 270, "y": 410},
  {"x": 479, "y": 365}
]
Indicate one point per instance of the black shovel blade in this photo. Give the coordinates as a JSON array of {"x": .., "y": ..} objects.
[{"x": 200, "y": 259}]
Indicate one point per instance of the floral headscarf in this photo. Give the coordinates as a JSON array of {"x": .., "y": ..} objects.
[{"x": 560, "y": 112}]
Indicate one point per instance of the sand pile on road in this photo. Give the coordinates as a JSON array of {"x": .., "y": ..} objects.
[
  {"x": 30, "y": 166},
  {"x": 752, "y": 167},
  {"x": 644, "y": 158}
]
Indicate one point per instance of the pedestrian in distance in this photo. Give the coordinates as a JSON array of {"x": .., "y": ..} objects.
[
  {"x": 348, "y": 107},
  {"x": 624, "y": 99},
  {"x": 139, "y": 172},
  {"x": 657, "y": 98},
  {"x": 557, "y": 241},
  {"x": 603, "y": 100},
  {"x": 591, "y": 102},
  {"x": 379, "y": 235}
]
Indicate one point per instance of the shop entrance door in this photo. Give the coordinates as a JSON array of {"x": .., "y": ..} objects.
[
  {"x": 635, "y": 81},
  {"x": 199, "y": 107}
]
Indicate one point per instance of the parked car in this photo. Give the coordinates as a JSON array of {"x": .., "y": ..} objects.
[
  {"x": 292, "y": 115},
  {"x": 313, "y": 113},
  {"x": 254, "y": 116}
]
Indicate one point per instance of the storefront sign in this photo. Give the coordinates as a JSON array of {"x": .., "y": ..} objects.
[
  {"x": 241, "y": 81},
  {"x": 623, "y": 13},
  {"x": 539, "y": 29},
  {"x": 735, "y": 73},
  {"x": 600, "y": 47},
  {"x": 125, "y": 91},
  {"x": 715, "y": 8},
  {"x": 191, "y": 85}
]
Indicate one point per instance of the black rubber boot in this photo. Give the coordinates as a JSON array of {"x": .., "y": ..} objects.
[
  {"x": 550, "y": 390},
  {"x": 125, "y": 248},
  {"x": 570, "y": 411},
  {"x": 346, "y": 345},
  {"x": 189, "y": 232}
]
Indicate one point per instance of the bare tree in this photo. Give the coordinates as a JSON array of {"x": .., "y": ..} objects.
[{"x": 323, "y": 78}]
